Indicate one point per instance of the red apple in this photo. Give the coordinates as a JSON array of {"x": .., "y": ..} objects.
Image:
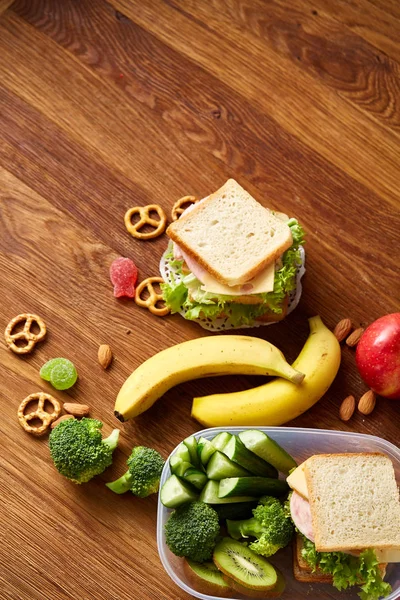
[{"x": 378, "y": 356}]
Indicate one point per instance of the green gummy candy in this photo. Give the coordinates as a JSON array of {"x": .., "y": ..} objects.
[
  {"x": 60, "y": 372},
  {"x": 45, "y": 371}
]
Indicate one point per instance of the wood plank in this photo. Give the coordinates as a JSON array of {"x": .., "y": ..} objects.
[
  {"x": 374, "y": 23},
  {"x": 31, "y": 223},
  {"x": 321, "y": 46},
  {"x": 109, "y": 104},
  {"x": 128, "y": 149},
  {"x": 391, "y": 7},
  {"x": 301, "y": 105},
  {"x": 284, "y": 179},
  {"x": 4, "y": 5}
]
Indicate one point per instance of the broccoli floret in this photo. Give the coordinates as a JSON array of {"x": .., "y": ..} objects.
[
  {"x": 143, "y": 475},
  {"x": 78, "y": 449},
  {"x": 270, "y": 526},
  {"x": 192, "y": 531}
]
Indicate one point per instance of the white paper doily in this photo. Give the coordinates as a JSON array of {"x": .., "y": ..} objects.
[{"x": 222, "y": 324}]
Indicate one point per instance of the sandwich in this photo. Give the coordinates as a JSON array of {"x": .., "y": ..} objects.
[
  {"x": 346, "y": 511},
  {"x": 231, "y": 262}
]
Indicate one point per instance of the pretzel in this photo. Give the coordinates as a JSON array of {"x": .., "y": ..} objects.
[
  {"x": 145, "y": 219},
  {"x": 39, "y": 413},
  {"x": 178, "y": 207},
  {"x": 153, "y": 298},
  {"x": 25, "y": 334}
]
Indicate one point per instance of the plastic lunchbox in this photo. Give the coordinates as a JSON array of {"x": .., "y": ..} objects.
[{"x": 300, "y": 443}]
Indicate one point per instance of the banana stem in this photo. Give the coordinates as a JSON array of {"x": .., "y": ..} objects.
[
  {"x": 315, "y": 323},
  {"x": 297, "y": 377}
]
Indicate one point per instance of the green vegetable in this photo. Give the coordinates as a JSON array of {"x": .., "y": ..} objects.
[
  {"x": 207, "y": 305},
  {"x": 176, "y": 492},
  {"x": 143, "y": 475},
  {"x": 78, "y": 450},
  {"x": 270, "y": 526},
  {"x": 348, "y": 570},
  {"x": 192, "y": 531}
]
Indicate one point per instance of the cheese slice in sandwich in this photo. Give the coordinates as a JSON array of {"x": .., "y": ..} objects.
[
  {"x": 297, "y": 481},
  {"x": 231, "y": 235},
  {"x": 261, "y": 284}
]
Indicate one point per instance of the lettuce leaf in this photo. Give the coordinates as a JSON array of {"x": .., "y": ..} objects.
[
  {"x": 297, "y": 232},
  {"x": 347, "y": 570},
  {"x": 174, "y": 295},
  {"x": 199, "y": 303}
]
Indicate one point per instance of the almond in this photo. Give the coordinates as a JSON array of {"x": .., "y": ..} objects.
[
  {"x": 347, "y": 408},
  {"x": 78, "y": 410},
  {"x": 62, "y": 418},
  {"x": 367, "y": 402},
  {"x": 342, "y": 329},
  {"x": 354, "y": 337},
  {"x": 105, "y": 355}
]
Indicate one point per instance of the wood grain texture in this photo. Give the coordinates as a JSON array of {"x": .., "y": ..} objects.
[{"x": 107, "y": 105}]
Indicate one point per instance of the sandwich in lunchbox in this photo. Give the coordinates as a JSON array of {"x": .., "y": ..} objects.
[
  {"x": 346, "y": 511},
  {"x": 231, "y": 262}
]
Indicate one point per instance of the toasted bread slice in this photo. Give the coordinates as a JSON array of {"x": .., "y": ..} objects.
[
  {"x": 354, "y": 501},
  {"x": 302, "y": 570},
  {"x": 231, "y": 235},
  {"x": 272, "y": 317}
]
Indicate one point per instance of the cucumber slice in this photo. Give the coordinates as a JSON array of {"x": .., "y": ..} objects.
[
  {"x": 205, "y": 450},
  {"x": 176, "y": 492},
  {"x": 221, "y": 439},
  {"x": 179, "y": 466},
  {"x": 191, "y": 444},
  {"x": 220, "y": 467},
  {"x": 252, "y": 486},
  {"x": 267, "y": 449},
  {"x": 196, "y": 478},
  {"x": 183, "y": 453},
  {"x": 236, "y": 451},
  {"x": 209, "y": 495},
  {"x": 236, "y": 511}
]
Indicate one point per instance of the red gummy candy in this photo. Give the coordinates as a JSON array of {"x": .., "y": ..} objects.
[{"x": 123, "y": 275}]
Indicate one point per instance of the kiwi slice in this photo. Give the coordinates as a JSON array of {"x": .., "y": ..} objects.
[
  {"x": 274, "y": 592},
  {"x": 243, "y": 565},
  {"x": 206, "y": 578}
]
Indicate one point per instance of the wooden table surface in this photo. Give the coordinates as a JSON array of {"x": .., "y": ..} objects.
[{"x": 106, "y": 105}]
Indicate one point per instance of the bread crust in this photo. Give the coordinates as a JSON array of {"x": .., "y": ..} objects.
[{"x": 175, "y": 227}]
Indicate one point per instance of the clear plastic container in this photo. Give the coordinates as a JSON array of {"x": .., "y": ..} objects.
[{"x": 300, "y": 443}]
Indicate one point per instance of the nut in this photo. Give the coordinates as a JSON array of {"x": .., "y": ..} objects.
[
  {"x": 78, "y": 410},
  {"x": 105, "y": 355},
  {"x": 367, "y": 402},
  {"x": 347, "y": 408},
  {"x": 62, "y": 418},
  {"x": 342, "y": 329},
  {"x": 354, "y": 337}
]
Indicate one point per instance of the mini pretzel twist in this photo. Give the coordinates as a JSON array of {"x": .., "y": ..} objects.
[
  {"x": 145, "y": 219},
  {"x": 181, "y": 205},
  {"x": 25, "y": 334},
  {"x": 39, "y": 413},
  {"x": 154, "y": 297}
]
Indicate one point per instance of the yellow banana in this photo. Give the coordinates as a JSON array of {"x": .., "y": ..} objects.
[
  {"x": 202, "y": 357},
  {"x": 278, "y": 401}
]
